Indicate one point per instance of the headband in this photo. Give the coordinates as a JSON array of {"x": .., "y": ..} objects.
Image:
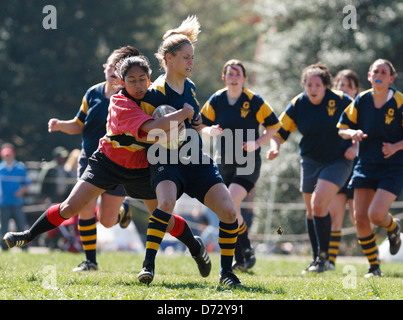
[{"x": 179, "y": 45}]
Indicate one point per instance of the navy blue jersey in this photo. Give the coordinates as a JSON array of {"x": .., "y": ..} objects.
[
  {"x": 382, "y": 125},
  {"x": 249, "y": 112},
  {"x": 92, "y": 116},
  {"x": 317, "y": 124},
  {"x": 160, "y": 93}
]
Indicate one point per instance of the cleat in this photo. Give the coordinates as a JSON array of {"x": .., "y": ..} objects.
[
  {"x": 394, "y": 239},
  {"x": 17, "y": 239},
  {"x": 312, "y": 264},
  {"x": 230, "y": 279},
  {"x": 250, "y": 258},
  {"x": 321, "y": 263},
  {"x": 374, "y": 271},
  {"x": 86, "y": 266},
  {"x": 125, "y": 214},
  {"x": 146, "y": 275},
  {"x": 202, "y": 259},
  {"x": 236, "y": 265}
]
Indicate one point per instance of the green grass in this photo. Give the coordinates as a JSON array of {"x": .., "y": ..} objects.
[{"x": 30, "y": 276}]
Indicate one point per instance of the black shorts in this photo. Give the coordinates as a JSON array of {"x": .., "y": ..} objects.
[
  {"x": 106, "y": 174},
  {"x": 231, "y": 174},
  {"x": 193, "y": 179},
  {"x": 82, "y": 165}
]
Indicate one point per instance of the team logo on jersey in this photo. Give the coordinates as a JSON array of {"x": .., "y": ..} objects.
[
  {"x": 245, "y": 109},
  {"x": 90, "y": 175},
  {"x": 389, "y": 116},
  {"x": 160, "y": 169},
  {"x": 331, "y": 108}
]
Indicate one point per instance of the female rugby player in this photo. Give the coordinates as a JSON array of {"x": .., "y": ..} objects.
[
  {"x": 185, "y": 169},
  {"x": 375, "y": 120},
  {"x": 237, "y": 110},
  {"x": 324, "y": 168}
]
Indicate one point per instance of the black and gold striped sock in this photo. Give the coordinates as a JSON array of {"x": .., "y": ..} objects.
[
  {"x": 370, "y": 249},
  {"x": 227, "y": 238},
  {"x": 88, "y": 235},
  {"x": 157, "y": 225},
  {"x": 392, "y": 226},
  {"x": 334, "y": 245}
]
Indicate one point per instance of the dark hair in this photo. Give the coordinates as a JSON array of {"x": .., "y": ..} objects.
[
  {"x": 234, "y": 62},
  {"x": 318, "y": 69},
  {"x": 388, "y": 63},
  {"x": 350, "y": 75},
  {"x": 137, "y": 61},
  {"x": 122, "y": 53}
]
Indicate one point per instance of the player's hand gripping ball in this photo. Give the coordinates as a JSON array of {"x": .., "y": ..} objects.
[{"x": 177, "y": 134}]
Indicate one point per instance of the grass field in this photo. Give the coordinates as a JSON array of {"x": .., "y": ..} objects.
[{"x": 48, "y": 276}]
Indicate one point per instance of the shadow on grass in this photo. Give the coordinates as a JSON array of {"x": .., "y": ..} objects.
[{"x": 261, "y": 289}]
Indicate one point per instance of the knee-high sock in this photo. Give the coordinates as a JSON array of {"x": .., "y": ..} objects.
[
  {"x": 183, "y": 233},
  {"x": 312, "y": 237},
  {"x": 370, "y": 249},
  {"x": 49, "y": 220},
  {"x": 334, "y": 245},
  {"x": 227, "y": 238},
  {"x": 157, "y": 225},
  {"x": 88, "y": 235},
  {"x": 323, "y": 226}
]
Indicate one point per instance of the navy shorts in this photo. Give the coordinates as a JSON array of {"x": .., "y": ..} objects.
[
  {"x": 106, "y": 174},
  {"x": 230, "y": 174},
  {"x": 378, "y": 176},
  {"x": 193, "y": 179},
  {"x": 82, "y": 165},
  {"x": 337, "y": 172}
]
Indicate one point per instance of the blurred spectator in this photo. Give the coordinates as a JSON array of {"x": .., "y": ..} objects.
[
  {"x": 14, "y": 185},
  {"x": 54, "y": 180}
]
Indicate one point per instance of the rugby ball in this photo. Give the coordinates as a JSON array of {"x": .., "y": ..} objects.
[{"x": 174, "y": 143}]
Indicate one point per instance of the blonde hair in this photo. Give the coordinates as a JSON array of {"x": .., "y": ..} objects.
[{"x": 173, "y": 39}]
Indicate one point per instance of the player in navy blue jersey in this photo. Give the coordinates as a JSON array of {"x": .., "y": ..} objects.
[
  {"x": 375, "y": 120},
  {"x": 236, "y": 110},
  {"x": 347, "y": 81},
  {"x": 90, "y": 121},
  {"x": 185, "y": 169},
  {"x": 324, "y": 168}
]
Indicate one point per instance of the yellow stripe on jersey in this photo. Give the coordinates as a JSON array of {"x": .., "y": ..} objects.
[
  {"x": 79, "y": 121},
  {"x": 147, "y": 108},
  {"x": 84, "y": 106},
  {"x": 208, "y": 111},
  {"x": 398, "y": 96},
  {"x": 351, "y": 113}
]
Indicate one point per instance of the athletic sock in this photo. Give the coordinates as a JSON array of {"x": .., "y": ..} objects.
[
  {"x": 49, "y": 220},
  {"x": 88, "y": 235},
  {"x": 183, "y": 233},
  {"x": 243, "y": 237},
  {"x": 370, "y": 249},
  {"x": 157, "y": 225},
  {"x": 334, "y": 245},
  {"x": 310, "y": 228},
  {"x": 392, "y": 225},
  {"x": 322, "y": 229},
  {"x": 238, "y": 253},
  {"x": 227, "y": 238}
]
